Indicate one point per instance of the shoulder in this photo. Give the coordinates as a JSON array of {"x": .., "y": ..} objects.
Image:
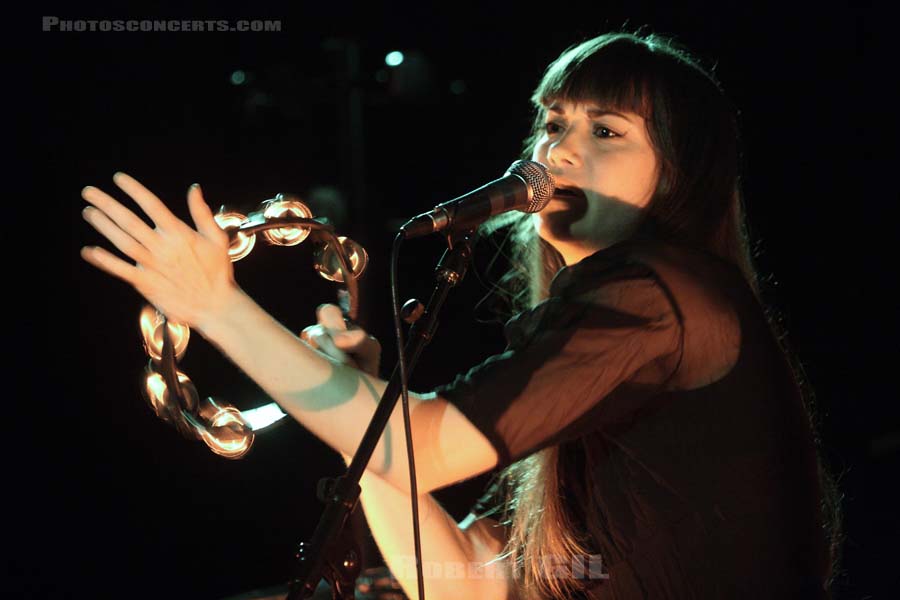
[
  {"x": 608, "y": 293},
  {"x": 651, "y": 277},
  {"x": 690, "y": 277},
  {"x": 707, "y": 292}
]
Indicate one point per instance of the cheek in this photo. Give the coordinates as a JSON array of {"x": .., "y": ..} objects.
[
  {"x": 650, "y": 179},
  {"x": 634, "y": 182}
]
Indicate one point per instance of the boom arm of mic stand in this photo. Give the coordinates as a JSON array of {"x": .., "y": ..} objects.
[{"x": 343, "y": 496}]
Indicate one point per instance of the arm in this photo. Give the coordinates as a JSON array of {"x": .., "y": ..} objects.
[
  {"x": 454, "y": 559},
  {"x": 458, "y": 561},
  {"x": 336, "y": 401},
  {"x": 186, "y": 274}
]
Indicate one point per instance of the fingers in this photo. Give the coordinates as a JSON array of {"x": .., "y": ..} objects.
[
  {"x": 149, "y": 203},
  {"x": 121, "y": 240},
  {"x": 126, "y": 220},
  {"x": 352, "y": 339},
  {"x": 353, "y": 347},
  {"x": 106, "y": 261},
  {"x": 203, "y": 217},
  {"x": 364, "y": 348},
  {"x": 319, "y": 338}
]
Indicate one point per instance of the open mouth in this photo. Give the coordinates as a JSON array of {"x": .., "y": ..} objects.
[{"x": 567, "y": 193}]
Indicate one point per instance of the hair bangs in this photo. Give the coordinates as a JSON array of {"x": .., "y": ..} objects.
[{"x": 599, "y": 72}]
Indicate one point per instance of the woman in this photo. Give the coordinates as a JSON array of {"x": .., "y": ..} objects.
[{"x": 654, "y": 435}]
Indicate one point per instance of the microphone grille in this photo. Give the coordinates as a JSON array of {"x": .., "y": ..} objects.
[{"x": 539, "y": 180}]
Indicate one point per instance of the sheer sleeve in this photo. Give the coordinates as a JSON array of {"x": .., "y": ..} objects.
[{"x": 586, "y": 358}]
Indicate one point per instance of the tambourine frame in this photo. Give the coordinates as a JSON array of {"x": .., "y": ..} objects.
[{"x": 176, "y": 409}]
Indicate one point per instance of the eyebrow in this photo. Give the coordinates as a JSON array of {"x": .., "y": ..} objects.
[{"x": 592, "y": 112}]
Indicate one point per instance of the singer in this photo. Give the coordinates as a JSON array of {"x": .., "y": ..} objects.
[{"x": 653, "y": 437}]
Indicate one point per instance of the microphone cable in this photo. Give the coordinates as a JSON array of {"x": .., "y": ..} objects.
[
  {"x": 539, "y": 185},
  {"x": 407, "y": 424}
]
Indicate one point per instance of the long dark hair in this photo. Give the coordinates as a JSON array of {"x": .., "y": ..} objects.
[{"x": 698, "y": 202}]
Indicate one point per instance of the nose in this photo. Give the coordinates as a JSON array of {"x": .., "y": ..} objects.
[{"x": 563, "y": 151}]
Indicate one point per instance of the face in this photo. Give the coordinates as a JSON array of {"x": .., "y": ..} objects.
[{"x": 606, "y": 173}]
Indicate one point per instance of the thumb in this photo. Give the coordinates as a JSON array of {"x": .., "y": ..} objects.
[{"x": 349, "y": 339}]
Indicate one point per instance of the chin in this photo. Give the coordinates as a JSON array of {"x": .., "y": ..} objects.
[
  {"x": 556, "y": 225},
  {"x": 567, "y": 239}
]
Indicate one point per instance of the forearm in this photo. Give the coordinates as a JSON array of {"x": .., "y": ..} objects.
[
  {"x": 334, "y": 401},
  {"x": 187, "y": 275},
  {"x": 453, "y": 560}
]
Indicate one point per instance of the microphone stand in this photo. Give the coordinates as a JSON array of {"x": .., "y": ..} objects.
[{"x": 329, "y": 554}]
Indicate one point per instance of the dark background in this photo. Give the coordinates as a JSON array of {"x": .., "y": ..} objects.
[{"x": 110, "y": 502}]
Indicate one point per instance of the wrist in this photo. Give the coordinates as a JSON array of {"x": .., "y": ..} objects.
[{"x": 228, "y": 305}]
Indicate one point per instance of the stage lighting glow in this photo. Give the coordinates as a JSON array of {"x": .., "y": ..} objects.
[
  {"x": 262, "y": 417},
  {"x": 238, "y": 77},
  {"x": 393, "y": 59}
]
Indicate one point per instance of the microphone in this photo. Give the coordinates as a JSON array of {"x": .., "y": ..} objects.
[{"x": 526, "y": 186}]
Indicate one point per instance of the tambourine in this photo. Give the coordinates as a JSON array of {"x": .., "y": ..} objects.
[{"x": 229, "y": 432}]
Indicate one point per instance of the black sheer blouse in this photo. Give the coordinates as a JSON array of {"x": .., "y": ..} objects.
[{"x": 655, "y": 370}]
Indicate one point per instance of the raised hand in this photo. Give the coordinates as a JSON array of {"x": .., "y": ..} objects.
[
  {"x": 183, "y": 272},
  {"x": 353, "y": 347}
]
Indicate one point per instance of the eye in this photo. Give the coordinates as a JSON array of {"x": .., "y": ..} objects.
[
  {"x": 551, "y": 128},
  {"x": 604, "y": 132}
]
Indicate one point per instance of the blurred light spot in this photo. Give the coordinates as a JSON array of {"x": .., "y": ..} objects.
[
  {"x": 457, "y": 86},
  {"x": 238, "y": 77},
  {"x": 381, "y": 75},
  {"x": 259, "y": 418},
  {"x": 393, "y": 59},
  {"x": 414, "y": 80}
]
